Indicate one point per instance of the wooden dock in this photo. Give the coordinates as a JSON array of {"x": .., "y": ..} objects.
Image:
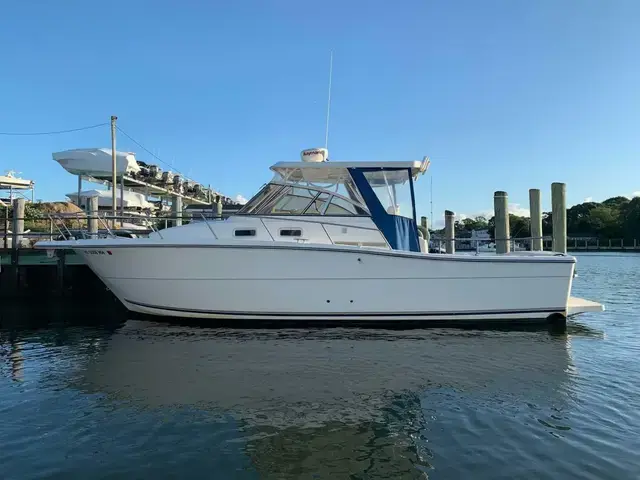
[{"x": 31, "y": 276}]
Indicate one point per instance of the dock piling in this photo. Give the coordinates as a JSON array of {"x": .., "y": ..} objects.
[
  {"x": 219, "y": 206},
  {"x": 92, "y": 215},
  {"x": 449, "y": 231},
  {"x": 114, "y": 180},
  {"x": 18, "y": 221},
  {"x": 536, "y": 219},
  {"x": 501, "y": 215},
  {"x": 176, "y": 207},
  {"x": 559, "y": 216},
  {"x": 424, "y": 226}
]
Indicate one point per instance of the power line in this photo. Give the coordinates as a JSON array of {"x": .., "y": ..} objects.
[
  {"x": 148, "y": 151},
  {"x": 16, "y": 134}
]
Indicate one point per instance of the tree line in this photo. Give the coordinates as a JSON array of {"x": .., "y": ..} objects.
[{"x": 616, "y": 217}]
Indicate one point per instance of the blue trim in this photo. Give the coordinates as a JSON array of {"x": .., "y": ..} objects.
[
  {"x": 413, "y": 198},
  {"x": 401, "y": 232}
]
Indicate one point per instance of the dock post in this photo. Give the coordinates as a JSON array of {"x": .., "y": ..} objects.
[
  {"x": 114, "y": 170},
  {"x": 18, "y": 221},
  {"x": 559, "y": 216},
  {"x": 79, "y": 200},
  {"x": 6, "y": 227},
  {"x": 424, "y": 225},
  {"x": 449, "y": 231},
  {"x": 536, "y": 219},
  {"x": 501, "y": 215},
  {"x": 92, "y": 215},
  {"x": 219, "y": 207},
  {"x": 176, "y": 210}
]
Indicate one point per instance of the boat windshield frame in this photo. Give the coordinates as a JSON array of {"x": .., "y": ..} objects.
[{"x": 277, "y": 190}]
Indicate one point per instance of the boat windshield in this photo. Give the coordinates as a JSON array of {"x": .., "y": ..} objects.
[
  {"x": 277, "y": 198},
  {"x": 393, "y": 189}
]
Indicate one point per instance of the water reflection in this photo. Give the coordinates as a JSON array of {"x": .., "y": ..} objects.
[{"x": 333, "y": 402}]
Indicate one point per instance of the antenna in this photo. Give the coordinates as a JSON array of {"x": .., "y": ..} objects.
[{"x": 326, "y": 133}]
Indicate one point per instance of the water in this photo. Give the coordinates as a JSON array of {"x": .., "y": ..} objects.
[{"x": 150, "y": 400}]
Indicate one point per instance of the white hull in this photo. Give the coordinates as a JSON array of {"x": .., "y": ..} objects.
[
  {"x": 242, "y": 280},
  {"x": 96, "y": 162}
]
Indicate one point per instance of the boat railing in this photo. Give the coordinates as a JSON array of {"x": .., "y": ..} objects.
[{"x": 78, "y": 225}]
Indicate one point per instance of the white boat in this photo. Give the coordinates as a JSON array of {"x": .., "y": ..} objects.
[
  {"x": 132, "y": 200},
  {"x": 328, "y": 242},
  {"x": 491, "y": 248},
  {"x": 10, "y": 181},
  {"x": 96, "y": 162}
]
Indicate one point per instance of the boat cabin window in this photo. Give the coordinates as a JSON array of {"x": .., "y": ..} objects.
[
  {"x": 339, "y": 206},
  {"x": 290, "y": 232},
  {"x": 278, "y": 199},
  {"x": 393, "y": 189},
  {"x": 244, "y": 233},
  {"x": 294, "y": 202},
  {"x": 267, "y": 193}
]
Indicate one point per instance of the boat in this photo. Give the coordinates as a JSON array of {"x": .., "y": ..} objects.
[
  {"x": 96, "y": 162},
  {"x": 10, "y": 181},
  {"x": 327, "y": 241},
  {"x": 491, "y": 248},
  {"x": 131, "y": 201}
]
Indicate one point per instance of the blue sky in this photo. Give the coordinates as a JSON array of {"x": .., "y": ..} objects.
[{"x": 502, "y": 95}]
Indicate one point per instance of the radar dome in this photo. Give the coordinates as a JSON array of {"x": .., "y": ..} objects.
[{"x": 315, "y": 155}]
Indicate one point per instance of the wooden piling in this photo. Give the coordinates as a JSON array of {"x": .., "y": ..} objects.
[
  {"x": 536, "y": 219},
  {"x": 449, "y": 231},
  {"x": 219, "y": 207},
  {"x": 559, "y": 216},
  {"x": 501, "y": 217},
  {"x": 92, "y": 215},
  {"x": 176, "y": 209},
  {"x": 424, "y": 227},
  {"x": 18, "y": 221}
]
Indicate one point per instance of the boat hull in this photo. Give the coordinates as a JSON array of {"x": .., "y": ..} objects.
[{"x": 299, "y": 282}]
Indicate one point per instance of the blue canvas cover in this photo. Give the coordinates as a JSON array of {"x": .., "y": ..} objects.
[{"x": 401, "y": 232}]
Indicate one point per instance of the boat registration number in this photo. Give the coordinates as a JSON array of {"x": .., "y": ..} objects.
[{"x": 97, "y": 252}]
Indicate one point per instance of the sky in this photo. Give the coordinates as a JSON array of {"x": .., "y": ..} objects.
[{"x": 501, "y": 95}]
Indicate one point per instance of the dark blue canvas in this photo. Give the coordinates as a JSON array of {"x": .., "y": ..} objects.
[{"x": 401, "y": 232}]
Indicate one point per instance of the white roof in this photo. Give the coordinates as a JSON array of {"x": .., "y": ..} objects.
[{"x": 336, "y": 172}]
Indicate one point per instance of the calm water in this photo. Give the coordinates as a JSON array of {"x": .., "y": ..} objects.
[{"x": 149, "y": 400}]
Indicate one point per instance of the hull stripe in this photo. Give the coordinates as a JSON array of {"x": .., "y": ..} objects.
[
  {"x": 353, "y": 315},
  {"x": 134, "y": 244}
]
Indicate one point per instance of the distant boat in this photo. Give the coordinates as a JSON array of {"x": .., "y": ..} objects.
[
  {"x": 491, "y": 248},
  {"x": 132, "y": 200},
  {"x": 96, "y": 162},
  {"x": 11, "y": 181}
]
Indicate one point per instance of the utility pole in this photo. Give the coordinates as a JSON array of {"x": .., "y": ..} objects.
[{"x": 114, "y": 180}]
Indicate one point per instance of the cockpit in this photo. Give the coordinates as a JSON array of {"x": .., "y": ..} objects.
[{"x": 382, "y": 191}]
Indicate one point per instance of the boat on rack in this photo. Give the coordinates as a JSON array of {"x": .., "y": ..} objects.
[
  {"x": 327, "y": 242},
  {"x": 10, "y": 181}
]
